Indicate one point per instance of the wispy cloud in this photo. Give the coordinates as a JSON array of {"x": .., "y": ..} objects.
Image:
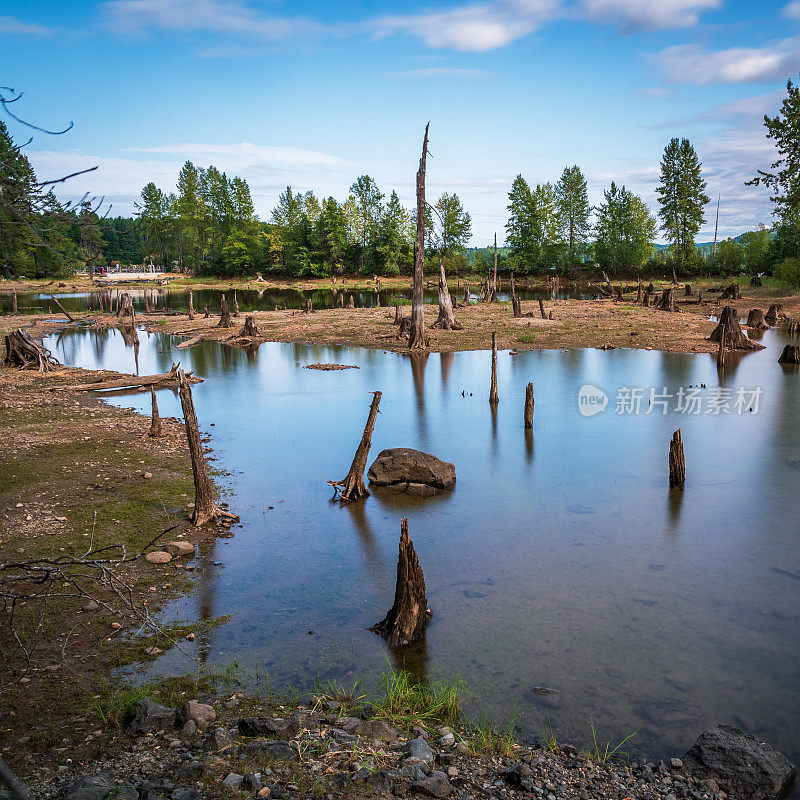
[
  {"x": 655, "y": 91},
  {"x": 13, "y": 25},
  {"x": 746, "y": 109},
  {"x": 245, "y": 153},
  {"x": 637, "y": 15},
  {"x": 690, "y": 63},
  {"x": 792, "y": 10},
  {"x": 438, "y": 72},
  {"x": 477, "y": 27}
]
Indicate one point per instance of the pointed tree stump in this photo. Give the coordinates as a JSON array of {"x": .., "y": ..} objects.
[
  {"x": 125, "y": 308},
  {"x": 309, "y": 307},
  {"x": 205, "y": 509},
  {"x": 397, "y": 315},
  {"x": 350, "y": 302},
  {"x": 155, "y": 423},
  {"x": 516, "y": 304},
  {"x": 14, "y": 306},
  {"x": 529, "y": 406},
  {"x": 191, "y": 305},
  {"x": 352, "y": 486},
  {"x": 677, "y": 466},
  {"x": 735, "y": 338},
  {"x": 416, "y": 337},
  {"x": 755, "y": 319},
  {"x": 225, "y": 320},
  {"x": 687, "y": 291},
  {"x": 494, "y": 397},
  {"x": 790, "y": 355},
  {"x": 667, "y": 301},
  {"x": 446, "y": 319},
  {"x": 409, "y": 615},
  {"x": 249, "y": 328},
  {"x": 773, "y": 314},
  {"x": 235, "y": 305},
  {"x": 24, "y": 352}
]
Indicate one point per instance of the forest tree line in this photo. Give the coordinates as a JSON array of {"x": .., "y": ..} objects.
[{"x": 208, "y": 225}]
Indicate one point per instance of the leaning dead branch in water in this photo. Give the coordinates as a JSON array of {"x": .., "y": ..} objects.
[
  {"x": 63, "y": 310},
  {"x": 205, "y": 509},
  {"x": 328, "y": 367},
  {"x": 352, "y": 486},
  {"x": 677, "y": 466},
  {"x": 409, "y": 615},
  {"x": 24, "y": 352},
  {"x": 131, "y": 381},
  {"x": 735, "y": 338}
]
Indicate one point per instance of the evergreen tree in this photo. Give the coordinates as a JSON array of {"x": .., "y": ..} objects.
[
  {"x": 573, "y": 212},
  {"x": 155, "y": 214},
  {"x": 682, "y": 197},
  {"x": 625, "y": 231}
]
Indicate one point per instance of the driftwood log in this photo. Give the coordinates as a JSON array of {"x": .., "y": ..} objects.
[
  {"x": 494, "y": 397},
  {"x": 131, "y": 381},
  {"x": 352, "y": 486},
  {"x": 755, "y": 319},
  {"x": 677, "y": 465},
  {"x": 205, "y": 509},
  {"x": 24, "y": 352},
  {"x": 528, "y": 415},
  {"x": 225, "y": 320},
  {"x": 155, "y": 422},
  {"x": 409, "y": 615},
  {"x": 63, "y": 310},
  {"x": 790, "y": 355},
  {"x": 735, "y": 338}
]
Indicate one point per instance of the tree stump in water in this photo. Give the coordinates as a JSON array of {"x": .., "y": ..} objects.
[
  {"x": 529, "y": 406},
  {"x": 125, "y": 308},
  {"x": 755, "y": 319},
  {"x": 733, "y": 292},
  {"x": 235, "y": 305},
  {"x": 24, "y": 352},
  {"x": 205, "y": 509},
  {"x": 516, "y": 305},
  {"x": 687, "y": 292},
  {"x": 249, "y": 328},
  {"x": 155, "y": 422},
  {"x": 191, "y": 305},
  {"x": 494, "y": 397},
  {"x": 409, "y": 615},
  {"x": 352, "y": 486},
  {"x": 350, "y": 302},
  {"x": 790, "y": 355},
  {"x": 794, "y": 328},
  {"x": 667, "y": 301},
  {"x": 772, "y": 315},
  {"x": 735, "y": 338},
  {"x": 466, "y": 294},
  {"x": 225, "y": 320},
  {"x": 677, "y": 466}
]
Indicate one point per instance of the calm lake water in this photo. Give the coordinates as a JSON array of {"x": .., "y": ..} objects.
[
  {"x": 561, "y": 559},
  {"x": 255, "y": 299}
]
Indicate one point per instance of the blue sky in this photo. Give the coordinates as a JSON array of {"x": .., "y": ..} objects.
[{"x": 314, "y": 93}]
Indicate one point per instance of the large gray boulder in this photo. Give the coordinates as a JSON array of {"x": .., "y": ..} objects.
[
  {"x": 401, "y": 467},
  {"x": 151, "y": 716},
  {"x": 742, "y": 766}
]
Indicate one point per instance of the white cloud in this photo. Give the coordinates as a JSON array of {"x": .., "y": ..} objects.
[
  {"x": 12, "y": 25},
  {"x": 479, "y": 27},
  {"x": 655, "y": 91},
  {"x": 689, "y": 63},
  {"x": 635, "y": 15},
  {"x": 792, "y": 10},
  {"x": 439, "y": 72}
]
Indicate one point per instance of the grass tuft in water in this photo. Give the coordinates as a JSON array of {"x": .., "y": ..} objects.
[
  {"x": 549, "y": 741},
  {"x": 603, "y": 753},
  {"x": 488, "y": 738},
  {"x": 406, "y": 699}
]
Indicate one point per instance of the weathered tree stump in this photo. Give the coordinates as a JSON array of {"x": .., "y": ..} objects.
[
  {"x": 207, "y": 312},
  {"x": 541, "y": 309},
  {"x": 528, "y": 415},
  {"x": 494, "y": 397},
  {"x": 794, "y": 328},
  {"x": 350, "y": 302},
  {"x": 397, "y": 315},
  {"x": 756, "y": 281},
  {"x": 755, "y": 319},
  {"x": 341, "y": 299},
  {"x": 249, "y": 328},
  {"x": 638, "y": 291},
  {"x": 352, "y": 486},
  {"x": 735, "y": 338},
  {"x": 155, "y": 421},
  {"x": 24, "y": 352},
  {"x": 700, "y": 297},
  {"x": 516, "y": 304},
  {"x": 125, "y": 307},
  {"x": 205, "y": 509},
  {"x": 790, "y": 355},
  {"x": 647, "y": 294},
  {"x": 309, "y": 307},
  {"x": 732, "y": 292},
  {"x": 235, "y": 305},
  {"x": 667, "y": 301},
  {"x": 191, "y": 305},
  {"x": 14, "y": 306},
  {"x": 687, "y": 291},
  {"x": 446, "y": 319},
  {"x": 723, "y": 341},
  {"x": 677, "y": 465},
  {"x": 409, "y": 615},
  {"x": 466, "y": 294},
  {"x": 225, "y": 320},
  {"x": 773, "y": 314},
  {"x": 404, "y": 331}
]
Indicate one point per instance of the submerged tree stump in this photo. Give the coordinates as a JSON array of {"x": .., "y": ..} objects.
[
  {"x": 528, "y": 415},
  {"x": 205, "y": 509},
  {"x": 352, "y": 486},
  {"x": 773, "y": 314},
  {"x": 225, "y": 320},
  {"x": 409, "y": 615},
  {"x": 755, "y": 319},
  {"x": 667, "y": 301},
  {"x": 677, "y": 465},
  {"x": 794, "y": 328},
  {"x": 249, "y": 328},
  {"x": 24, "y": 352},
  {"x": 790, "y": 355},
  {"x": 155, "y": 422},
  {"x": 494, "y": 397},
  {"x": 735, "y": 338}
]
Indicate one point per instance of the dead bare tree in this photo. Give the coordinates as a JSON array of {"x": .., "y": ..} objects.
[
  {"x": 155, "y": 423},
  {"x": 541, "y": 309},
  {"x": 417, "y": 339},
  {"x": 409, "y": 614},
  {"x": 352, "y": 486},
  {"x": 494, "y": 397},
  {"x": 516, "y": 303},
  {"x": 493, "y": 295},
  {"x": 24, "y": 352}
]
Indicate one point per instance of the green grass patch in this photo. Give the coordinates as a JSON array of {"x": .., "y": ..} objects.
[
  {"x": 406, "y": 699},
  {"x": 603, "y": 753},
  {"x": 525, "y": 338},
  {"x": 489, "y": 738}
]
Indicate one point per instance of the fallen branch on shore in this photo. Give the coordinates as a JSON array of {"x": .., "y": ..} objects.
[{"x": 130, "y": 382}]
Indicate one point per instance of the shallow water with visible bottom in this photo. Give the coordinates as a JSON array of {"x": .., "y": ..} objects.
[{"x": 561, "y": 559}]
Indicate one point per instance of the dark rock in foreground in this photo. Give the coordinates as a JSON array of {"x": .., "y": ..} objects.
[
  {"x": 743, "y": 766},
  {"x": 403, "y": 467}
]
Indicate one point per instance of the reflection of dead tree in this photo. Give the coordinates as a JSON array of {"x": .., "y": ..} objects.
[
  {"x": 205, "y": 509},
  {"x": 352, "y": 486},
  {"x": 24, "y": 352}
]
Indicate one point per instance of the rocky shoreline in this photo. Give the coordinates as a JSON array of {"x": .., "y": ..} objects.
[{"x": 329, "y": 749}]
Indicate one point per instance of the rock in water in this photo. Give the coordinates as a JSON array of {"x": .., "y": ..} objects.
[
  {"x": 403, "y": 465},
  {"x": 742, "y": 765}
]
